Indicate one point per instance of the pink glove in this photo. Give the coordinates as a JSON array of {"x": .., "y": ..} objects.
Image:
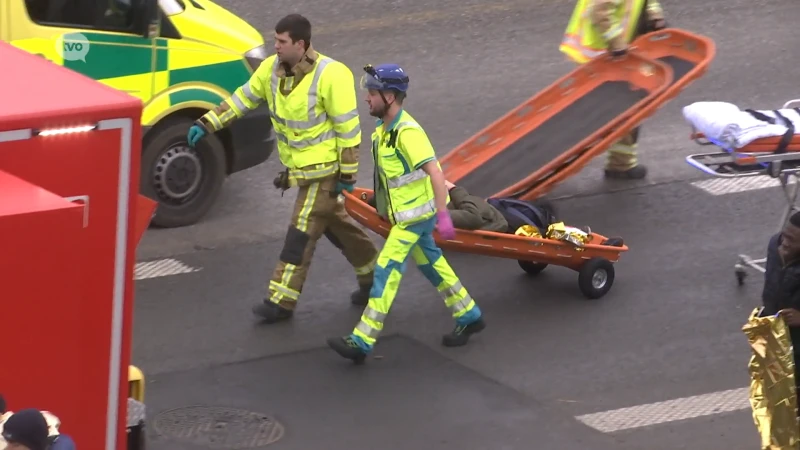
[{"x": 445, "y": 225}]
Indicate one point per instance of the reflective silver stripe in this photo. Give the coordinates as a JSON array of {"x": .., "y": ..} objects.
[
  {"x": 239, "y": 104},
  {"x": 371, "y": 314},
  {"x": 306, "y": 174},
  {"x": 313, "y": 119},
  {"x": 212, "y": 117},
  {"x": 367, "y": 330},
  {"x": 413, "y": 213},
  {"x": 405, "y": 179},
  {"x": 350, "y": 134},
  {"x": 330, "y": 134},
  {"x": 248, "y": 92},
  {"x": 452, "y": 290},
  {"x": 367, "y": 268},
  {"x": 461, "y": 304},
  {"x": 342, "y": 118},
  {"x": 587, "y": 52},
  {"x": 290, "y": 293}
]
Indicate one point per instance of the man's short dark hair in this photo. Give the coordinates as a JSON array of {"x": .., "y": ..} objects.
[
  {"x": 297, "y": 26},
  {"x": 795, "y": 219}
]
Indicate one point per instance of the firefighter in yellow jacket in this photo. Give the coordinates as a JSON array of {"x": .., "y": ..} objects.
[
  {"x": 313, "y": 106},
  {"x": 599, "y": 26}
]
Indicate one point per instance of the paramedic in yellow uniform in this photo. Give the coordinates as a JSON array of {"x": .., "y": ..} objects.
[
  {"x": 410, "y": 193},
  {"x": 313, "y": 105},
  {"x": 598, "y": 26}
]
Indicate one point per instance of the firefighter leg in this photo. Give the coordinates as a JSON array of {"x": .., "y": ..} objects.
[
  {"x": 465, "y": 311},
  {"x": 389, "y": 271},
  {"x": 357, "y": 247},
  {"x": 312, "y": 209},
  {"x": 622, "y": 162}
]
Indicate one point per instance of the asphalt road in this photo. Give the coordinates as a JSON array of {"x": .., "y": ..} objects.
[{"x": 669, "y": 329}]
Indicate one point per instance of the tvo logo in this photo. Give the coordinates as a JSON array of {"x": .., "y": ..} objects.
[{"x": 73, "y": 47}]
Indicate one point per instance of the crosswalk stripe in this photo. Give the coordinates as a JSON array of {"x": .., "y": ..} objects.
[
  {"x": 668, "y": 411},
  {"x": 161, "y": 268}
]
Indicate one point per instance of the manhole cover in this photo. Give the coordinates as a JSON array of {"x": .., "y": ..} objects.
[{"x": 219, "y": 427}]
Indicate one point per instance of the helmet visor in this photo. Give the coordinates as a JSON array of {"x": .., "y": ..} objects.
[{"x": 368, "y": 81}]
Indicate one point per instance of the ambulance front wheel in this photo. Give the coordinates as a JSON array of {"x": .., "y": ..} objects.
[
  {"x": 596, "y": 277},
  {"x": 184, "y": 180}
]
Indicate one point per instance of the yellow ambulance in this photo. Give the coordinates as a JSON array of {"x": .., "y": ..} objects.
[{"x": 181, "y": 58}]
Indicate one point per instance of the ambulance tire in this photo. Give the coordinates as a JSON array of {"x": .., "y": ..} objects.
[{"x": 166, "y": 144}]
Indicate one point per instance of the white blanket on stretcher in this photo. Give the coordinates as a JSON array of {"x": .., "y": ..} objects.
[{"x": 735, "y": 128}]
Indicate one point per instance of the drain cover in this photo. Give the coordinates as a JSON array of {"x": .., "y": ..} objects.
[{"x": 219, "y": 427}]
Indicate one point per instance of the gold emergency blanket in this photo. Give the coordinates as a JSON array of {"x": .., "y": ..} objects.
[
  {"x": 528, "y": 231},
  {"x": 572, "y": 235},
  {"x": 772, "y": 387}
]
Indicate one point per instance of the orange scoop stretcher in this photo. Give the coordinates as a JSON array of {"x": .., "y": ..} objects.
[
  {"x": 593, "y": 261},
  {"x": 554, "y": 134}
]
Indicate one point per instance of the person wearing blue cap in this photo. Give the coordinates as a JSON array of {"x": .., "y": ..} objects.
[{"x": 410, "y": 193}]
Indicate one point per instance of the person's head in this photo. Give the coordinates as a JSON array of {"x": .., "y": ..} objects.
[
  {"x": 26, "y": 430},
  {"x": 790, "y": 237},
  {"x": 292, "y": 38},
  {"x": 386, "y": 86}
]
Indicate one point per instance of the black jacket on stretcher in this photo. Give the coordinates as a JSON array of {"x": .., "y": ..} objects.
[{"x": 781, "y": 286}]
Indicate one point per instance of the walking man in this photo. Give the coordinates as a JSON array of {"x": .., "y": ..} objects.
[
  {"x": 313, "y": 108},
  {"x": 410, "y": 193},
  {"x": 598, "y": 26}
]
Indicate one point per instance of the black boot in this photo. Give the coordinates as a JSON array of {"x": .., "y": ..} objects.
[
  {"x": 360, "y": 297},
  {"x": 613, "y": 242},
  {"x": 347, "y": 348},
  {"x": 271, "y": 312},
  {"x": 460, "y": 335},
  {"x": 634, "y": 173}
]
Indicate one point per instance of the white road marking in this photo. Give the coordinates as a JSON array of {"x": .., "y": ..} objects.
[
  {"x": 161, "y": 268},
  {"x": 668, "y": 411},
  {"x": 724, "y": 186}
]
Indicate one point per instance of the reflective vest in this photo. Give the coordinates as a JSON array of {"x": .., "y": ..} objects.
[
  {"x": 403, "y": 195},
  {"x": 305, "y": 134},
  {"x": 309, "y": 135},
  {"x": 583, "y": 42}
]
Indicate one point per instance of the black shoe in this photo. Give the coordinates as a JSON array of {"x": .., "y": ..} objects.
[
  {"x": 360, "y": 297},
  {"x": 460, "y": 335},
  {"x": 635, "y": 173},
  {"x": 271, "y": 312},
  {"x": 347, "y": 348},
  {"x": 613, "y": 242}
]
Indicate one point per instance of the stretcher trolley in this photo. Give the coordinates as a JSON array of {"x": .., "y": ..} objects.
[
  {"x": 593, "y": 261},
  {"x": 777, "y": 157},
  {"x": 555, "y": 133}
]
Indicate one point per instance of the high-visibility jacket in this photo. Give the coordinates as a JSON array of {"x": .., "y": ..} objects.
[
  {"x": 595, "y": 24},
  {"x": 403, "y": 190},
  {"x": 316, "y": 122}
]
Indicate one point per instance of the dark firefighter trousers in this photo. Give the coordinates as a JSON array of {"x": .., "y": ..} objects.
[{"x": 316, "y": 213}]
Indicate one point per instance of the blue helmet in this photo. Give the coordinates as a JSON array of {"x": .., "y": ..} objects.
[{"x": 385, "y": 77}]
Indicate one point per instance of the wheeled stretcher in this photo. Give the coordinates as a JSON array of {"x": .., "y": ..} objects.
[
  {"x": 775, "y": 156},
  {"x": 593, "y": 261},
  {"x": 555, "y": 133}
]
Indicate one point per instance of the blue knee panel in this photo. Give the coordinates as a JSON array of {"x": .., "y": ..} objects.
[{"x": 382, "y": 276}]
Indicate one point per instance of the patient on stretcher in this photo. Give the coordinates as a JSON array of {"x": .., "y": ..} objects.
[{"x": 500, "y": 215}]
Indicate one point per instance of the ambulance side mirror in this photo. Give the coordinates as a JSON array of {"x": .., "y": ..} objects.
[{"x": 150, "y": 19}]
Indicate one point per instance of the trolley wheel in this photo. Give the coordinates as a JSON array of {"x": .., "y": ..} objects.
[
  {"x": 596, "y": 277},
  {"x": 740, "y": 276},
  {"x": 531, "y": 268}
]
